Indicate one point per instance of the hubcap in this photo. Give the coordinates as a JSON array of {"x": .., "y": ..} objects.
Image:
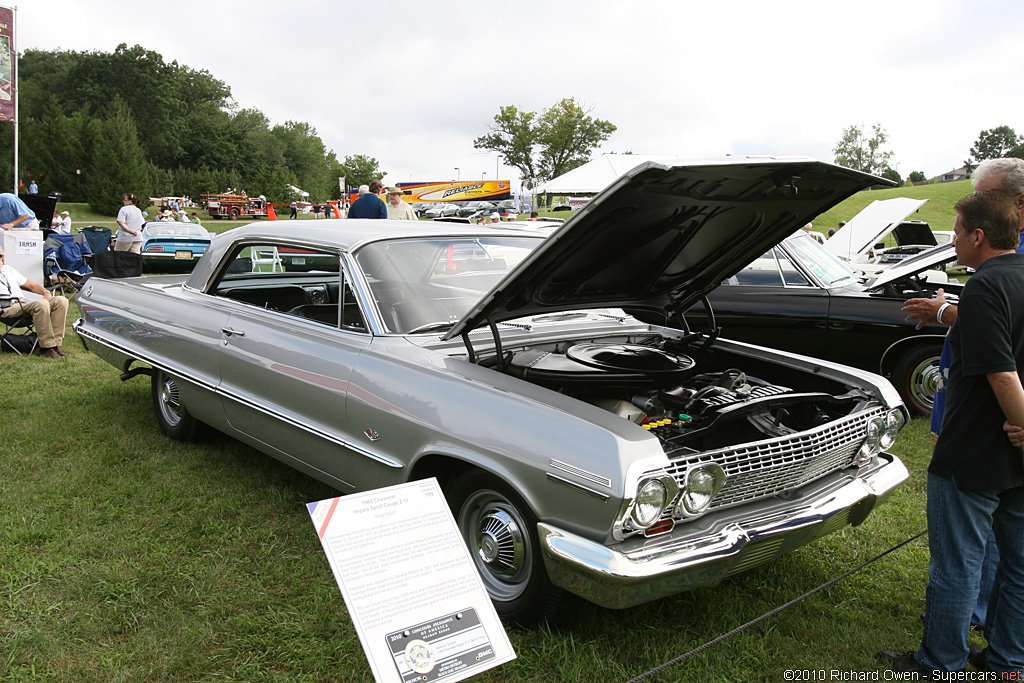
[
  {"x": 170, "y": 401},
  {"x": 500, "y": 543},
  {"x": 924, "y": 382}
]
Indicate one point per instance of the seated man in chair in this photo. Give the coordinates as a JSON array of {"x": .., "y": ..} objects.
[{"x": 48, "y": 314}]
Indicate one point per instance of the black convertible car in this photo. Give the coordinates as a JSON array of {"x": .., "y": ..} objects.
[{"x": 800, "y": 297}]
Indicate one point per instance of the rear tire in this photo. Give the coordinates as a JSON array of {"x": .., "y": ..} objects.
[
  {"x": 501, "y": 534},
  {"x": 171, "y": 414},
  {"x": 916, "y": 377}
]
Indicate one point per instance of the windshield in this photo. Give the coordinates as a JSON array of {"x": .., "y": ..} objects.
[
  {"x": 428, "y": 284},
  {"x": 825, "y": 265}
]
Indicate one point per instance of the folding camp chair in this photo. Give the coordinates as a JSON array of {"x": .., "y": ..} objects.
[
  {"x": 64, "y": 262},
  {"x": 97, "y": 237},
  {"x": 23, "y": 343}
]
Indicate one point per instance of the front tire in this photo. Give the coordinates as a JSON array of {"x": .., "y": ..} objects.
[
  {"x": 501, "y": 534},
  {"x": 171, "y": 414},
  {"x": 916, "y": 377}
]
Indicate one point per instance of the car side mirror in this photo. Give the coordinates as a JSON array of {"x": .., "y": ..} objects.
[{"x": 880, "y": 245}]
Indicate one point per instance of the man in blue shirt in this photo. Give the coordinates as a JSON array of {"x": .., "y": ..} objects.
[
  {"x": 15, "y": 215},
  {"x": 369, "y": 205}
]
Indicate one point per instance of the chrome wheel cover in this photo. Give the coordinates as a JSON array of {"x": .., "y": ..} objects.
[
  {"x": 923, "y": 382},
  {"x": 497, "y": 536},
  {"x": 171, "y": 409}
]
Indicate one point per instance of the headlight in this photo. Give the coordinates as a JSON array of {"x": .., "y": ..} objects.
[
  {"x": 893, "y": 425},
  {"x": 872, "y": 441},
  {"x": 702, "y": 484},
  {"x": 649, "y": 503}
]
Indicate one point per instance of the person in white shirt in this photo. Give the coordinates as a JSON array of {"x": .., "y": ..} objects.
[
  {"x": 48, "y": 314},
  {"x": 129, "y": 226},
  {"x": 65, "y": 223}
]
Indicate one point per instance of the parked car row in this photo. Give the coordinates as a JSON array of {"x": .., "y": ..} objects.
[{"x": 590, "y": 434}]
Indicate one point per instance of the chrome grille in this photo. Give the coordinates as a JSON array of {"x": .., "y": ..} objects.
[{"x": 765, "y": 468}]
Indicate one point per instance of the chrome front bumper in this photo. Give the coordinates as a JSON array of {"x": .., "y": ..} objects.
[{"x": 702, "y": 553}]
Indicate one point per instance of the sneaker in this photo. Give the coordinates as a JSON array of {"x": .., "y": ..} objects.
[{"x": 907, "y": 662}]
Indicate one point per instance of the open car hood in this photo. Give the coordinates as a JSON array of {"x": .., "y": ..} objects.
[
  {"x": 914, "y": 234},
  {"x": 666, "y": 233},
  {"x": 926, "y": 260},
  {"x": 870, "y": 226}
]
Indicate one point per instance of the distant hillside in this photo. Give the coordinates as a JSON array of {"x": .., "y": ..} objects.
[{"x": 938, "y": 212}]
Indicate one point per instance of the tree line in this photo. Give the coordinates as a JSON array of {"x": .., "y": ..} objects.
[
  {"x": 864, "y": 150},
  {"x": 94, "y": 125}
]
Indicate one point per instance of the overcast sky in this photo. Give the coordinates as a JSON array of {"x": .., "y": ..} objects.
[{"x": 413, "y": 83}]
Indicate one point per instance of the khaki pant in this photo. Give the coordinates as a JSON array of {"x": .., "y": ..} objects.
[
  {"x": 134, "y": 247},
  {"x": 48, "y": 316}
]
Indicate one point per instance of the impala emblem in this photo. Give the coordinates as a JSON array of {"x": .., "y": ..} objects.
[{"x": 371, "y": 434}]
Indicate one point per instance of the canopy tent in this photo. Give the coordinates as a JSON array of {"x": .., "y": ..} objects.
[{"x": 594, "y": 176}]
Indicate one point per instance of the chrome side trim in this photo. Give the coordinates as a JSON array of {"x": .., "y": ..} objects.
[
  {"x": 255, "y": 405},
  {"x": 702, "y": 553},
  {"x": 581, "y": 473},
  {"x": 603, "y": 497}
]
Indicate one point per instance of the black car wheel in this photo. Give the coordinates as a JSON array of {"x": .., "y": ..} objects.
[
  {"x": 501, "y": 533},
  {"x": 171, "y": 414},
  {"x": 233, "y": 214},
  {"x": 916, "y": 376}
]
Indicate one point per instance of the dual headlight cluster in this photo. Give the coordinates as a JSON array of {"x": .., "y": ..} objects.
[
  {"x": 700, "y": 485},
  {"x": 881, "y": 434}
]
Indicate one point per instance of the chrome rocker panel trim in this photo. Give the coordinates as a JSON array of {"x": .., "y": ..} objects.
[{"x": 695, "y": 556}]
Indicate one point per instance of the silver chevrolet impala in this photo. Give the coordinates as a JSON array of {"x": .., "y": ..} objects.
[{"x": 580, "y": 448}]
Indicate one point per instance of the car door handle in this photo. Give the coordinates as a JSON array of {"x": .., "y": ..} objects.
[{"x": 232, "y": 333}]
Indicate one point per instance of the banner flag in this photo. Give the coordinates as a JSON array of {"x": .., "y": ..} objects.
[{"x": 7, "y": 64}]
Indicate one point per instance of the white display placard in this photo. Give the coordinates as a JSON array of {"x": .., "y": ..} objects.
[{"x": 418, "y": 604}]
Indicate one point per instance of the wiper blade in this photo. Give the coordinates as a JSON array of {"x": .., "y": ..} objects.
[{"x": 432, "y": 327}]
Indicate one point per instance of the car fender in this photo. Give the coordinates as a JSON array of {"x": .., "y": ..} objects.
[{"x": 891, "y": 356}]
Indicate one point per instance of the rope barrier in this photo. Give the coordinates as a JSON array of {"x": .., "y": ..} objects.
[{"x": 738, "y": 629}]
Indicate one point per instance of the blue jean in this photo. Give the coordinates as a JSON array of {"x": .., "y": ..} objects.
[
  {"x": 988, "y": 573},
  {"x": 988, "y": 578},
  {"x": 959, "y": 526}
]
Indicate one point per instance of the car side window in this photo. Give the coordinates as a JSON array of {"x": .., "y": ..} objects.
[
  {"x": 763, "y": 272},
  {"x": 301, "y": 282},
  {"x": 791, "y": 275}
]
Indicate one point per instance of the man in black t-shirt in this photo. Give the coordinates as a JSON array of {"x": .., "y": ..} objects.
[{"x": 976, "y": 476}]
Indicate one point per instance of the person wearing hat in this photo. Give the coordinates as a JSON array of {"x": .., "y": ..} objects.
[
  {"x": 65, "y": 223},
  {"x": 397, "y": 208},
  {"x": 495, "y": 217}
]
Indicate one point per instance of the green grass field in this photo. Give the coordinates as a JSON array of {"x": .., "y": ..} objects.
[{"x": 125, "y": 556}]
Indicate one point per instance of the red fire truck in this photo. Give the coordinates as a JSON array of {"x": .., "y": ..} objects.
[{"x": 234, "y": 206}]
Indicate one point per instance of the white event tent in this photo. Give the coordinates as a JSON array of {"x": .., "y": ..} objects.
[{"x": 594, "y": 176}]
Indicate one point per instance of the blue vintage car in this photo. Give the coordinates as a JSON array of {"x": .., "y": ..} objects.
[{"x": 173, "y": 244}]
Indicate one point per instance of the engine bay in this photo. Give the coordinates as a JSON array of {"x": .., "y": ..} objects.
[{"x": 689, "y": 396}]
